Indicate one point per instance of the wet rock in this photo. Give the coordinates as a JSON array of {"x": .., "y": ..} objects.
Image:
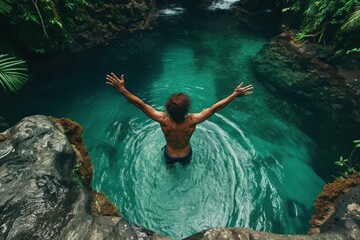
[
  {"x": 39, "y": 197},
  {"x": 319, "y": 97},
  {"x": 41, "y": 200},
  {"x": 298, "y": 73},
  {"x": 327, "y": 202},
  {"x": 346, "y": 219},
  {"x": 344, "y": 223},
  {"x": 3, "y": 137}
]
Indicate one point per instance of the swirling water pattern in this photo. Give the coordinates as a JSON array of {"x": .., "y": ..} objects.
[{"x": 250, "y": 167}]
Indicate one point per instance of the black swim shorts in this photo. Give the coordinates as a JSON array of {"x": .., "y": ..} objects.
[{"x": 183, "y": 160}]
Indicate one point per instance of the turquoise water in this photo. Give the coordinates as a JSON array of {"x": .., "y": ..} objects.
[{"x": 250, "y": 167}]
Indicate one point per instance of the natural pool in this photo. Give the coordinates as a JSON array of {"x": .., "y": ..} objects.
[{"x": 250, "y": 167}]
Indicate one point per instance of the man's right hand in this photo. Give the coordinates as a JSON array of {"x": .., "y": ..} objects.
[
  {"x": 243, "y": 91},
  {"x": 114, "y": 81}
]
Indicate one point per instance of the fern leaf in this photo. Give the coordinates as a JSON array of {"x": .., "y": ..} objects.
[
  {"x": 5, "y": 6},
  {"x": 353, "y": 22},
  {"x": 13, "y": 74}
]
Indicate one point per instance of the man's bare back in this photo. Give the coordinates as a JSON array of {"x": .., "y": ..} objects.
[
  {"x": 176, "y": 125},
  {"x": 178, "y": 136}
]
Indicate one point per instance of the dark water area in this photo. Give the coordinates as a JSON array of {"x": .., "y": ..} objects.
[{"x": 251, "y": 167}]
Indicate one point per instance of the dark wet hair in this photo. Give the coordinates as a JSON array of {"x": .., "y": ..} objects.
[{"x": 178, "y": 106}]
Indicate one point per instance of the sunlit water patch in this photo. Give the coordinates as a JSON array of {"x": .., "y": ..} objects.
[
  {"x": 171, "y": 11},
  {"x": 250, "y": 168},
  {"x": 222, "y": 4}
]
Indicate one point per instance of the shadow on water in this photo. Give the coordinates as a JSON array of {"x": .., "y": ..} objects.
[{"x": 139, "y": 58}]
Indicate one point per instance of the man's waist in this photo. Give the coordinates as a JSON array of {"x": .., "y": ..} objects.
[{"x": 178, "y": 152}]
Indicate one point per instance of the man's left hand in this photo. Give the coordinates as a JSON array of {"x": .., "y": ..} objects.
[{"x": 114, "y": 81}]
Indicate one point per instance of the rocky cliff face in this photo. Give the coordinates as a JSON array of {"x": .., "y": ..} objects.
[
  {"x": 294, "y": 71},
  {"x": 317, "y": 93},
  {"x": 39, "y": 158}
]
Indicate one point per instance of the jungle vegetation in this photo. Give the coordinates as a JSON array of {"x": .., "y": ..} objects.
[
  {"x": 323, "y": 21},
  {"x": 13, "y": 76},
  {"x": 51, "y": 22},
  {"x": 40, "y": 26}
]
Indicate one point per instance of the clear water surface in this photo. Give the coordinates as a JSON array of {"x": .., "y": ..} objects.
[{"x": 250, "y": 167}]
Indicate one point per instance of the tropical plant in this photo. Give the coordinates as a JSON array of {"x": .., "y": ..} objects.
[
  {"x": 72, "y": 4},
  {"x": 13, "y": 73},
  {"x": 75, "y": 173},
  {"x": 353, "y": 22},
  {"x": 351, "y": 168},
  {"x": 337, "y": 20},
  {"x": 5, "y": 6}
]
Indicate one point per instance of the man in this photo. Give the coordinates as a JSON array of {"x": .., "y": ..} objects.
[{"x": 176, "y": 125}]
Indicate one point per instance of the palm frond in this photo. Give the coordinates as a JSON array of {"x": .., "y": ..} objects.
[
  {"x": 13, "y": 73},
  {"x": 5, "y": 6},
  {"x": 353, "y": 21}
]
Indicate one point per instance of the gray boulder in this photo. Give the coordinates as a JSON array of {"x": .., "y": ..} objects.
[{"x": 39, "y": 199}]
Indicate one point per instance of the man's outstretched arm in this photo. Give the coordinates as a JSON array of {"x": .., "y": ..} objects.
[
  {"x": 206, "y": 113},
  {"x": 119, "y": 84}
]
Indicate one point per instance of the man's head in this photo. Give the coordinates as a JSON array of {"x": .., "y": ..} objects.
[{"x": 178, "y": 106}]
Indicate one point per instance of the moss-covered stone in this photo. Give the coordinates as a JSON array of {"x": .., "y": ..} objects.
[
  {"x": 40, "y": 199},
  {"x": 315, "y": 88},
  {"x": 74, "y": 133},
  {"x": 325, "y": 202},
  {"x": 100, "y": 204}
]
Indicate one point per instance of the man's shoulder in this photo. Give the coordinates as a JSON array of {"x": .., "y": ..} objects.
[
  {"x": 190, "y": 119},
  {"x": 164, "y": 118}
]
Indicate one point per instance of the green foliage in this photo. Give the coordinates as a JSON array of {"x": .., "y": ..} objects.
[
  {"x": 342, "y": 51},
  {"x": 13, "y": 73},
  {"x": 29, "y": 17},
  {"x": 75, "y": 173},
  {"x": 73, "y": 4},
  {"x": 56, "y": 22},
  {"x": 300, "y": 36},
  {"x": 42, "y": 26},
  {"x": 323, "y": 21},
  {"x": 347, "y": 163},
  {"x": 5, "y": 6},
  {"x": 354, "y": 50},
  {"x": 290, "y": 6},
  {"x": 353, "y": 22},
  {"x": 342, "y": 161}
]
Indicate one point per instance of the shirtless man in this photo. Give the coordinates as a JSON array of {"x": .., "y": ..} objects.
[{"x": 176, "y": 125}]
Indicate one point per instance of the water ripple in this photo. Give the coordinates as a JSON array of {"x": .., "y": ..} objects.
[{"x": 219, "y": 171}]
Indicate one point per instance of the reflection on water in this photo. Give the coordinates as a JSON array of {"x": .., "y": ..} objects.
[{"x": 250, "y": 168}]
